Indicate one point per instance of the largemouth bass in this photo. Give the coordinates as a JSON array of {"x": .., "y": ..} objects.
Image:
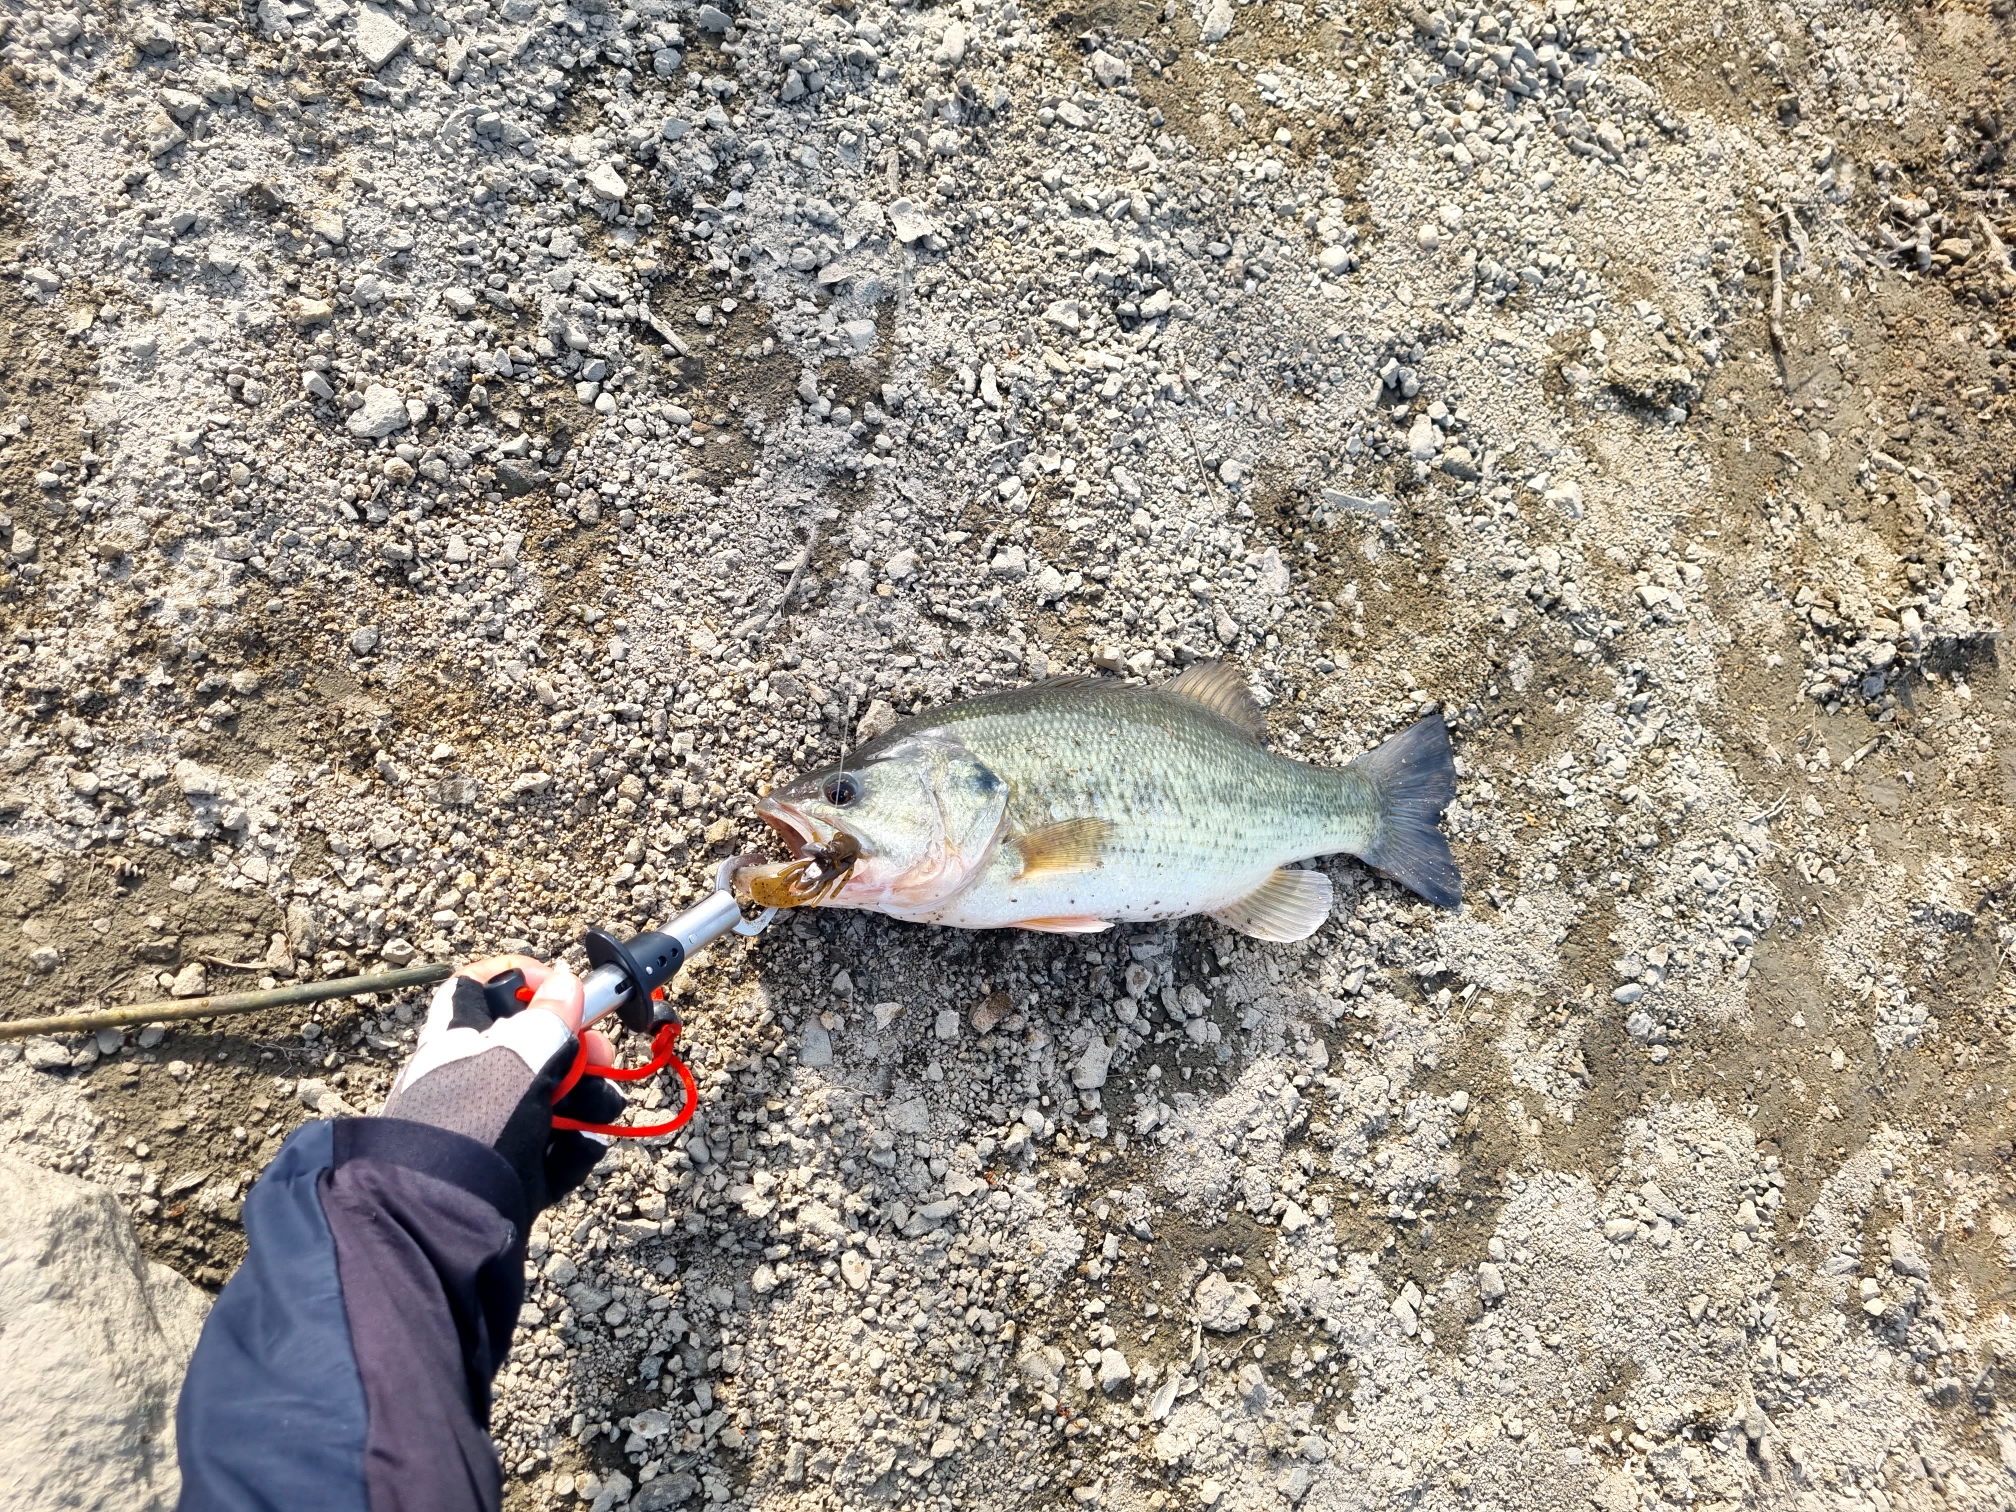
[{"x": 1080, "y": 802}]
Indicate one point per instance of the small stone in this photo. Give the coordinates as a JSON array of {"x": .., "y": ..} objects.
[
  {"x": 1458, "y": 463},
  {"x": 1113, "y": 1371},
  {"x": 908, "y": 222},
  {"x": 1217, "y": 25},
  {"x": 181, "y": 105},
  {"x": 382, "y": 413},
  {"x": 947, "y": 1026},
  {"x": 364, "y": 640},
  {"x": 1011, "y": 564},
  {"x": 191, "y": 981},
  {"x": 815, "y": 1047},
  {"x": 196, "y": 782},
  {"x": 323, "y": 1100},
  {"x": 1109, "y": 70},
  {"x": 379, "y": 37},
  {"x": 1490, "y": 1282},
  {"x": 1906, "y": 1261},
  {"x": 880, "y": 718},
  {"x": 1404, "y": 1313},
  {"x": 855, "y": 1270},
  {"x": 155, "y": 37},
  {"x": 607, "y": 182},
  {"x": 1222, "y": 1306},
  {"x": 46, "y": 1054},
  {"x": 988, "y": 1012},
  {"x": 1090, "y": 1073},
  {"x": 44, "y": 959},
  {"x": 328, "y": 225}
]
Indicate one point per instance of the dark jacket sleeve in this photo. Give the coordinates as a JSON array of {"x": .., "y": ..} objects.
[{"x": 346, "y": 1367}]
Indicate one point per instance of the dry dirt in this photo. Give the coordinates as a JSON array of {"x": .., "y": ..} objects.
[{"x": 1675, "y": 1166}]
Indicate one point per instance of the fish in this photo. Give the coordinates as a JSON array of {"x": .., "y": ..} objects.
[{"x": 1080, "y": 802}]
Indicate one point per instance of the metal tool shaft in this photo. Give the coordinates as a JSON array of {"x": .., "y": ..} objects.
[{"x": 606, "y": 987}]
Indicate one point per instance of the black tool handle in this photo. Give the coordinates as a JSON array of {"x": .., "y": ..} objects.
[{"x": 645, "y": 962}]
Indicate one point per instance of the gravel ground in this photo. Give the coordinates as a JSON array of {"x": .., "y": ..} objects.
[{"x": 453, "y": 457}]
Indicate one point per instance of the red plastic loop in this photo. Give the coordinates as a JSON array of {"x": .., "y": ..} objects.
[{"x": 662, "y": 1057}]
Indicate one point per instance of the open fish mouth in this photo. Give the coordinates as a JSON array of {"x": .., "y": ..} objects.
[{"x": 822, "y": 858}]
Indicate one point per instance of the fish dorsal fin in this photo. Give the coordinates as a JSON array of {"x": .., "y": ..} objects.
[
  {"x": 1063, "y": 680},
  {"x": 1070, "y": 845},
  {"x": 1221, "y": 688},
  {"x": 1290, "y": 905}
]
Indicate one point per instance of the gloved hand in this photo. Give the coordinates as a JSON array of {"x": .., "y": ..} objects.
[{"x": 493, "y": 1079}]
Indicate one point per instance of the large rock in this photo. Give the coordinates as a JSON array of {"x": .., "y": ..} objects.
[{"x": 93, "y": 1341}]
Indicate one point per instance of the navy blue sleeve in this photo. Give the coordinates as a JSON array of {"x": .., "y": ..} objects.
[{"x": 346, "y": 1367}]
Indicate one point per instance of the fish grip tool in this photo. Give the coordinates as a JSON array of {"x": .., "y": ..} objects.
[{"x": 628, "y": 977}]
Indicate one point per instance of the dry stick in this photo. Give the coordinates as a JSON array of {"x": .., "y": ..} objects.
[
  {"x": 791, "y": 587},
  {"x": 235, "y": 1002},
  {"x": 1778, "y": 301}
]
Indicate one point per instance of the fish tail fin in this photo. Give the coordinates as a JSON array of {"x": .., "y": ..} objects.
[{"x": 1413, "y": 777}]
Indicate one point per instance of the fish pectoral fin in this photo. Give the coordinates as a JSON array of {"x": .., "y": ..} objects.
[
  {"x": 1066, "y": 924},
  {"x": 1221, "y": 688},
  {"x": 1070, "y": 845},
  {"x": 1289, "y": 905}
]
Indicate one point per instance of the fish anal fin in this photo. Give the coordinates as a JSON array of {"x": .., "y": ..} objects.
[
  {"x": 1066, "y": 924},
  {"x": 1062, "y": 849},
  {"x": 1289, "y": 905},
  {"x": 1221, "y": 688}
]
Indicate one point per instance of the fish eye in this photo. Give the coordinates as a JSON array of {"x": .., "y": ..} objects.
[{"x": 842, "y": 791}]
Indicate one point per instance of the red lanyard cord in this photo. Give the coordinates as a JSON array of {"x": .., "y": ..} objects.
[{"x": 662, "y": 1056}]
